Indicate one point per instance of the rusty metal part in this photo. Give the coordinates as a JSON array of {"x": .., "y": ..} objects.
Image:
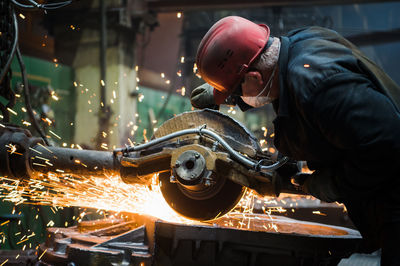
[
  {"x": 155, "y": 242},
  {"x": 14, "y": 152},
  {"x": 97, "y": 225},
  {"x": 305, "y": 208},
  {"x": 281, "y": 224},
  {"x": 100, "y": 242}
]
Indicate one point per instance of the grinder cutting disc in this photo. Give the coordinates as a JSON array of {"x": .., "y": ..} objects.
[
  {"x": 207, "y": 202},
  {"x": 213, "y": 202}
]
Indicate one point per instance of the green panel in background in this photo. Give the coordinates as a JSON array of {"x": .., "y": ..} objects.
[
  {"x": 46, "y": 75},
  {"x": 149, "y": 105},
  {"x": 25, "y": 226}
]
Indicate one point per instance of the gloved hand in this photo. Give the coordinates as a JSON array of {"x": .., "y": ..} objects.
[
  {"x": 288, "y": 170},
  {"x": 321, "y": 184},
  {"x": 203, "y": 97}
]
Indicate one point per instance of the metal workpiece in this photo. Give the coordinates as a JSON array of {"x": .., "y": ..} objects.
[
  {"x": 100, "y": 242},
  {"x": 46, "y": 159},
  {"x": 255, "y": 239}
]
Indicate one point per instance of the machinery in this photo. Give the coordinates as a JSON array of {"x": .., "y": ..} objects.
[
  {"x": 143, "y": 240},
  {"x": 204, "y": 160}
]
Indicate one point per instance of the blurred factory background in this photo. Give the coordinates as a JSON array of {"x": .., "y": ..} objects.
[{"x": 108, "y": 73}]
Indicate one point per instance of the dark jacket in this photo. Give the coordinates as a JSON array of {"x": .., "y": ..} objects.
[{"x": 338, "y": 111}]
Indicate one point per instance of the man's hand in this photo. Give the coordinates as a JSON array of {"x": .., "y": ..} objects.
[
  {"x": 288, "y": 170},
  {"x": 203, "y": 97},
  {"x": 321, "y": 184}
]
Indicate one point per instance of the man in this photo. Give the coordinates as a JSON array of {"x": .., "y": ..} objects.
[{"x": 335, "y": 109}]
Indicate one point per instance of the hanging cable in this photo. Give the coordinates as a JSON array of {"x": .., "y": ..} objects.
[
  {"x": 35, "y": 5},
  {"x": 15, "y": 49},
  {"x": 28, "y": 98}
]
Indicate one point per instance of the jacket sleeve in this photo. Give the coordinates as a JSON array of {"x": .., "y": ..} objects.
[{"x": 364, "y": 125}]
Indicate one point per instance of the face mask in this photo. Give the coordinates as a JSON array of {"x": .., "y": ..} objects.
[{"x": 258, "y": 101}]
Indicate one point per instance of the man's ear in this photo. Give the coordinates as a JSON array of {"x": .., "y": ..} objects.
[{"x": 252, "y": 83}]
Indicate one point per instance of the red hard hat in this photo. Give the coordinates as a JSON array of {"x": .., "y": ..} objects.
[{"x": 227, "y": 50}]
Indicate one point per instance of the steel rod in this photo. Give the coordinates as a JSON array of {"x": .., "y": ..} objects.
[{"x": 46, "y": 159}]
